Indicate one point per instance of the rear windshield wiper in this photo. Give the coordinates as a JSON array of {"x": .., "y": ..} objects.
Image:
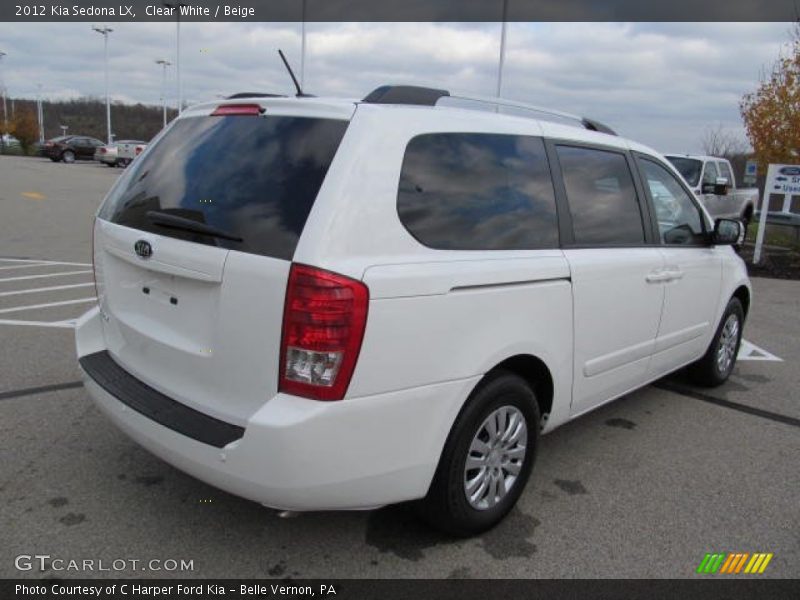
[{"x": 176, "y": 222}]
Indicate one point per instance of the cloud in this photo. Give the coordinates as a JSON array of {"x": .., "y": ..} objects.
[{"x": 658, "y": 83}]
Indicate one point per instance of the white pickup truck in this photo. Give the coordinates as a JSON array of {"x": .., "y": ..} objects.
[{"x": 712, "y": 181}]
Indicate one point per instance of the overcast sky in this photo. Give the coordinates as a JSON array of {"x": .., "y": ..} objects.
[{"x": 658, "y": 83}]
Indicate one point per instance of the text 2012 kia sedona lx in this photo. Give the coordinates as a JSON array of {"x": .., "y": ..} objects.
[{"x": 326, "y": 304}]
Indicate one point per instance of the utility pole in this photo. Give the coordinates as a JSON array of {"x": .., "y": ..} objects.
[
  {"x": 104, "y": 31},
  {"x": 164, "y": 63},
  {"x": 176, "y": 6}
]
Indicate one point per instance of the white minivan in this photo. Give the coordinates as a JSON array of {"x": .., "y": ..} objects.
[{"x": 325, "y": 304}]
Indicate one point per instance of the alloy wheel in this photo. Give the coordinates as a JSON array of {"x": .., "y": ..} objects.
[{"x": 495, "y": 457}]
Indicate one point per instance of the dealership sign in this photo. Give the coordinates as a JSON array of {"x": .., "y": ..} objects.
[
  {"x": 782, "y": 180},
  {"x": 750, "y": 172}
]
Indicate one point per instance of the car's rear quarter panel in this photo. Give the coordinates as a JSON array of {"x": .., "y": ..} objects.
[{"x": 434, "y": 315}]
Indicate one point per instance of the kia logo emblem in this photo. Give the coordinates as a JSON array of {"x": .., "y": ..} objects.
[{"x": 143, "y": 249}]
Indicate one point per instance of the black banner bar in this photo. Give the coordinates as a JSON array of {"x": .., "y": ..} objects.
[
  {"x": 708, "y": 588},
  {"x": 399, "y": 10}
]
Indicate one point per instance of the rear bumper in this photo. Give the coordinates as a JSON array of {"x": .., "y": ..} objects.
[{"x": 299, "y": 454}]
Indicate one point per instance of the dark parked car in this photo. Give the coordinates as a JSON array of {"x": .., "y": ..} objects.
[
  {"x": 44, "y": 148},
  {"x": 70, "y": 148}
]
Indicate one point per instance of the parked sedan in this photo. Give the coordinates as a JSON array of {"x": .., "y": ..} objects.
[
  {"x": 110, "y": 154},
  {"x": 71, "y": 148}
]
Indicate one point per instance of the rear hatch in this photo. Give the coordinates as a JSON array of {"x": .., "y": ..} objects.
[{"x": 192, "y": 251}]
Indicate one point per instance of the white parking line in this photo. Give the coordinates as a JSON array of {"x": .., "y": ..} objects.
[
  {"x": 27, "y": 266},
  {"x": 749, "y": 351},
  {"x": 70, "y": 324},
  {"x": 44, "y": 262},
  {"x": 47, "y": 305},
  {"x": 43, "y": 276},
  {"x": 50, "y": 288}
]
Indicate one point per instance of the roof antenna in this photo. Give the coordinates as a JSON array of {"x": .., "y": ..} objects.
[{"x": 300, "y": 93}]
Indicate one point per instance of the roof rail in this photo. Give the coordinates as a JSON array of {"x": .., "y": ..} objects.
[
  {"x": 253, "y": 95},
  {"x": 408, "y": 94}
]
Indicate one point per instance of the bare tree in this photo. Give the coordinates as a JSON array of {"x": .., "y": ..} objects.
[{"x": 718, "y": 141}]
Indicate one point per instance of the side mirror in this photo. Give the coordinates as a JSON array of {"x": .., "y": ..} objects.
[
  {"x": 718, "y": 188},
  {"x": 727, "y": 232}
]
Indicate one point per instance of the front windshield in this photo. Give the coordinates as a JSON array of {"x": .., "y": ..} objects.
[{"x": 690, "y": 168}]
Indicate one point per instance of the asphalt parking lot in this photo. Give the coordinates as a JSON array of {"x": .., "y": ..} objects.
[{"x": 643, "y": 487}]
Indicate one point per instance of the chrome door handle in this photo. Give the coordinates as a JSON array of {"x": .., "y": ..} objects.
[
  {"x": 675, "y": 275},
  {"x": 658, "y": 276}
]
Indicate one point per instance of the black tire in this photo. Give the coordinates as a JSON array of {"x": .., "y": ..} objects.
[
  {"x": 123, "y": 162},
  {"x": 746, "y": 219},
  {"x": 54, "y": 159},
  {"x": 446, "y": 505},
  {"x": 708, "y": 371}
]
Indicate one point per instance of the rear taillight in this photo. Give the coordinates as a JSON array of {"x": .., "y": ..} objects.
[
  {"x": 237, "y": 109},
  {"x": 102, "y": 150},
  {"x": 324, "y": 318},
  {"x": 94, "y": 262}
]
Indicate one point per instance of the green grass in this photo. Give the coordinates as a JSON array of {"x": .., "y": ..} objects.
[{"x": 773, "y": 237}]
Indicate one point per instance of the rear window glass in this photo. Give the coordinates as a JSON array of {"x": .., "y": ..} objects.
[
  {"x": 477, "y": 191},
  {"x": 254, "y": 178}
]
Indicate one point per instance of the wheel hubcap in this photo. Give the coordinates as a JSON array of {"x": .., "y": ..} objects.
[
  {"x": 728, "y": 340},
  {"x": 495, "y": 457}
]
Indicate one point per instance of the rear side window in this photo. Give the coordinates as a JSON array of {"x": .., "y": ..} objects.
[
  {"x": 602, "y": 198},
  {"x": 477, "y": 191},
  {"x": 253, "y": 177}
]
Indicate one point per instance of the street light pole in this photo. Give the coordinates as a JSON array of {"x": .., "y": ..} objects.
[
  {"x": 176, "y": 6},
  {"x": 502, "y": 51},
  {"x": 164, "y": 63},
  {"x": 5, "y": 113},
  {"x": 40, "y": 112},
  {"x": 104, "y": 31},
  {"x": 303, "y": 49}
]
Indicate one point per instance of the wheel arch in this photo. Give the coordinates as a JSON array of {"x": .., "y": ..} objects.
[
  {"x": 743, "y": 295},
  {"x": 535, "y": 372}
]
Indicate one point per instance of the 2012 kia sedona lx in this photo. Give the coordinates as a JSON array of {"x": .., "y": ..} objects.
[{"x": 326, "y": 304}]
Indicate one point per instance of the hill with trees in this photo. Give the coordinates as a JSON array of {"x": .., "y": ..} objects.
[{"x": 87, "y": 116}]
